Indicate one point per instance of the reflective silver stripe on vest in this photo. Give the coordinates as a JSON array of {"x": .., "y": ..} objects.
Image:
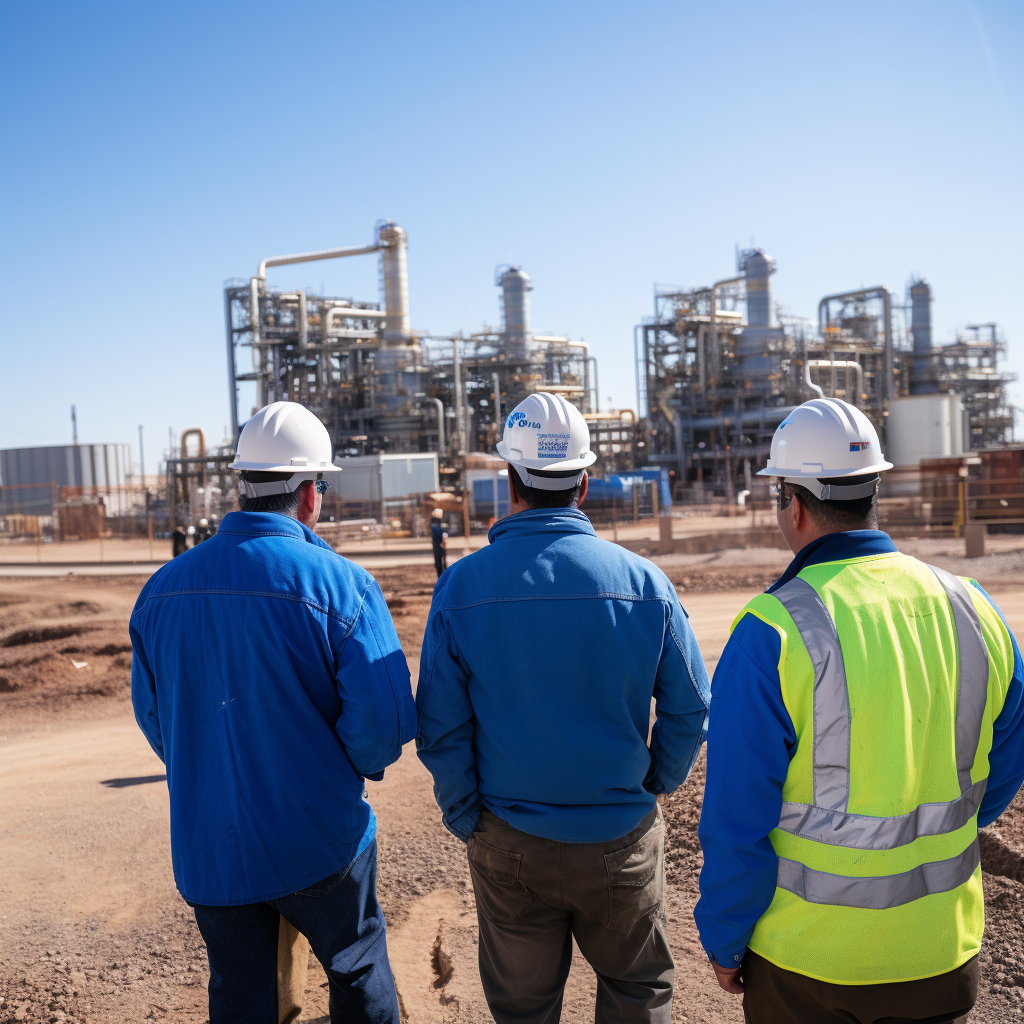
[
  {"x": 972, "y": 674},
  {"x": 826, "y": 820},
  {"x": 879, "y": 892},
  {"x": 865, "y": 832},
  {"x": 831, "y": 755}
]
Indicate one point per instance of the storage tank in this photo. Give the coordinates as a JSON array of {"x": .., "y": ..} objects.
[
  {"x": 922, "y": 372},
  {"x": 515, "y": 287},
  {"x": 923, "y": 426},
  {"x": 397, "y": 326},
  {"x": 32, "y": 477}
]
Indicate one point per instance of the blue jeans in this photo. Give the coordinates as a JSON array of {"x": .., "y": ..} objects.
[{"x": 345, "y": 926}]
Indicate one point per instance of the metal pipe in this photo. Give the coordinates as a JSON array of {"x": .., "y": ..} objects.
[
  {"x": 440, "y": 425},
  {"x": 319, "y": 254},
  {"x": 232, "y": 368},
  {"x": 877, "y": 292},
  {"x": 843, "y": 364},
  {"x": 496, "y": 381},
  {"x": 597, "y": 392},
  {"x": 350, "y": 313},
  {"x": 750, "y": 417},
  {"x": 460, "y": 431}
]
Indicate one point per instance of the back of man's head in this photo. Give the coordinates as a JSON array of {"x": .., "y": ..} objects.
[
  {"x": 840, "y": 516},
  {"x": 286, "y": 504},
  {"x": 535, "y": 497}
]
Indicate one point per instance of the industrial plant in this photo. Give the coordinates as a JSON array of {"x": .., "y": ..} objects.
[
  {"x": 719, "y": 368},
  {"x": 413, "y": 414}
]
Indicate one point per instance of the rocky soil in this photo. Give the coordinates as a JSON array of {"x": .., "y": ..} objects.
[{"x": 65, "y": 659}]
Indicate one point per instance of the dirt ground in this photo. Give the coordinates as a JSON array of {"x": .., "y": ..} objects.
[{"x": 92, "y": 929}]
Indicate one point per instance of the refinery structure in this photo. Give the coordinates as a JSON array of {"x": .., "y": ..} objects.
[
  {"x": 380, "y": 386},
  {"x": 414, "y": 417},
  {"x": 719, "y": 368}
]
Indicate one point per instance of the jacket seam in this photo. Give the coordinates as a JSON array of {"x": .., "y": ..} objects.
[
  {"x": 552, "y": 597},
  {"x": 259, "y": 593}
]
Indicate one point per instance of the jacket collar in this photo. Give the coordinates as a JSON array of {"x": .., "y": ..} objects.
[
  {"x": 269, "y": 524},
  {"x": 836, "y": 547},
  {"x": 541, "y": 520}
]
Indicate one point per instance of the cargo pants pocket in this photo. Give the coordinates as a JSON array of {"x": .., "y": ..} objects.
[
  {"x": 636, "y": 880},
  {"x": 500, "y": 896}
]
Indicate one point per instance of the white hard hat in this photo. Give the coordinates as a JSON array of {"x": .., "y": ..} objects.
[
  {"x": 283, "y": 437},
  {"x": 822, "y": 439},
  {"x": 545, "y": 432},
  {"x": 203, "y": 522},
  {"x": 438, "y": 513}
]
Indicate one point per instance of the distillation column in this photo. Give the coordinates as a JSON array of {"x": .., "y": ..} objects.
[
  {"x": 922, "y": 372},
  {"x": 516, "y": 287}
]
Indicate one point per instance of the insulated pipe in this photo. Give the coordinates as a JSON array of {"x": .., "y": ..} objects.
[
  {"x": 496, "y": 381},
  {"x": 597, "y": 392},
  {"x": 846, "y": 364},
  {"x": 878, "y": 292},
  {"x": 350, "y": 313},
  {"x": 319, "y": 254}
]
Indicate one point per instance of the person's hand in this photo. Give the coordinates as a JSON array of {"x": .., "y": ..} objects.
[{"x": 729, "y": 978}]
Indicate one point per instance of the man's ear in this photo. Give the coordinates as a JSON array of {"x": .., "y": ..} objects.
[
  {"x": 513, "y": 493},
  {"x": 583, "y": 490},
  {"x": 307, "y": 497}
]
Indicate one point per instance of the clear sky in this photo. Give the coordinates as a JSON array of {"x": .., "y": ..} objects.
[{"x": 151, "y": 151}]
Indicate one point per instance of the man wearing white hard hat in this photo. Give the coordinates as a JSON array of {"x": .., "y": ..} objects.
[
  {"x": 867, "y": 716},
  {"x": 541, "y": 655},
  {"x": 268, "y": 677}
]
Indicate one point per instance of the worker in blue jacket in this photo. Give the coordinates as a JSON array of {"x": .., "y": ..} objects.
[
  {"x": 268, "y": 677},
  {"x": 867, "y": 716},
  {"x": 541, "y": 655}
]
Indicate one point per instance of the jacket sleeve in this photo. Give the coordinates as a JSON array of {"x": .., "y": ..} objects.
[
  {"x": 372, "y": 678},
  {"x": 445, "y": 740},
  {"x": 144, "y": 687},
  {"x": 682, "y": 694},
  {"x": 750, "y": 741},
  {"x": 1006, "y": 758}
]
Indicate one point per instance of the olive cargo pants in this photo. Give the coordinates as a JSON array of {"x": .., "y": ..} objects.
[{"x": 534, "y": 895}]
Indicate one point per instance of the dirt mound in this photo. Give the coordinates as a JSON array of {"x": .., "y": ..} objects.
[
  {"x": 40, "y": 634},
  {"x": 37, "y": 669}
]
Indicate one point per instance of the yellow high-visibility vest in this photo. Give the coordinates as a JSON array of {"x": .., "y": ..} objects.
[{"x": 893, "y": 673}]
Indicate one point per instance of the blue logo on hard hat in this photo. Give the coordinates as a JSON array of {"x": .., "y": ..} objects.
[
  {"x": 859, "y": 446},
  {"x": 518, "y": 419}
]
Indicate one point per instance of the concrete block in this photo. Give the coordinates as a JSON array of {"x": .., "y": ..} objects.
[
  {"x": 664, "y": 535},
  {"x": 974, "y": 540}
]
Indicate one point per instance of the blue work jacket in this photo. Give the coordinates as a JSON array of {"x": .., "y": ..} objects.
[
  {"x": 268, "y": 677},
  {"x": 541, "y": 655},
  {"x": 751, "y": 740}
]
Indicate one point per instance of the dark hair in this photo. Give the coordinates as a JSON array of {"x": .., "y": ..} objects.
[
  {"x": 839, "y": 516},
  {"x": 537, "y": 498},
  {"x": 285, "y": 504}
]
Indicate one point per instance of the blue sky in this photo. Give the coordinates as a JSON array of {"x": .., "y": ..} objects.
[{"x": 152, "y": 151}]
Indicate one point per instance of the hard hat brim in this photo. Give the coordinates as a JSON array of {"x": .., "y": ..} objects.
[
  {"x": 542, "y": 464},
  {"x": 273, "y": 467},
  {"x": 798, "y": 474}
]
